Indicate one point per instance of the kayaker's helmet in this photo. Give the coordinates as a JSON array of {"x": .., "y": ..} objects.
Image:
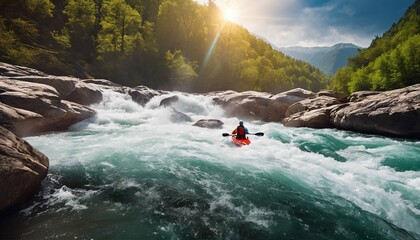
[{"x": 241, "y": 122}]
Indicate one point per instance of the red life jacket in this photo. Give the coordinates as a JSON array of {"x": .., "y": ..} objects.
[{"x": 240, "y": 132}]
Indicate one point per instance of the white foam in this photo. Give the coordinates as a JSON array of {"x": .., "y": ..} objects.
[
  {"x": 148, "y": 135},
  {"x": 107, "y": 164},
  {"x": 71, "y": 198}
]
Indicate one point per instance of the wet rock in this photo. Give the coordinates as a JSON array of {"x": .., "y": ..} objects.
[
  {"x": 101, "y": 82},
  {"x": 359, "y": 96},
  {"x": 142, "y": 94},
  {"x": 104, "y": 84},
  {"x": 85, "y": 94},
  {"x": 9, "y": 70},
  {"x": 22, "y": 168},
  {"x": 209, "y": 123},
  {"x": 69, "y": 88},
  {"x": 317, "y": 118},
  {"x": 392, "y": 113},
  {"x": 177, "y": 116},
  {"x": 259, "y": 106},
  {"x": 169, "y": 101},
  {"x": 311, "y": 104},
  {"x": 32, "y": 108},
  {"x": 313, "y": 113},
  {"x": 340, "y": 96}
]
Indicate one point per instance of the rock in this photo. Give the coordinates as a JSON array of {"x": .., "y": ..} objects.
[
  {"x": 311, "y": 104},
  {"x": 64, "y": 85},
  {"x": 177, "y": 116},
  {"x": 104, "y": 84},
  {"x": 142, "y": 94},
  {"x": 85, "y": 94},
  {"x": 359, "y": 96},
  {"x": 169, "y": 101},
  {"x": 209, "y": 123},
  {"x": 19, "y": 121},
  {"x": 295, "y": 94},
  {"x": 259, "y": 106},
  {"x": 101, "y": 82},
  {"x": 32, "y": 108},
  {"x": 22, "y": 168},
  {"x": 317, "y": 118},
  {"x": 340, "y": 96},
  {"x": 392, "y": 113},
  {"x": 312, "y": 112},
  {"x": 9, "y": 70},
  {"x": 71, "y": 89}
]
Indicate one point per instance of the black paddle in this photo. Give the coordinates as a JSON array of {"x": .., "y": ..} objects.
[{"x": 259, "y": 134}]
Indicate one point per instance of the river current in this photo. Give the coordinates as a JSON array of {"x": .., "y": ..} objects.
[{"x": 131, "y": 173}]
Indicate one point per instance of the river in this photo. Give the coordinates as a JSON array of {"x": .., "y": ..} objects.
[{"x": 131, "y": 173}]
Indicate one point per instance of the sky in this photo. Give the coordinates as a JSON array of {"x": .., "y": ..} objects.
[{"x": 309, "y": 23}]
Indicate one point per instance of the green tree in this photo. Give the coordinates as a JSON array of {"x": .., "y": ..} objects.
[
  {"x": 81, "y": 24},
  {"x": 121, "y": 26},
  {"x": 391, "y": 61},
  {"x": 182, "y": 73},
  {"x": 180, "y": 25}
]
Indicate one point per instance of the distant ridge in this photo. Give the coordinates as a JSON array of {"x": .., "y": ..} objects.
[{"x": 328, "y": 59}]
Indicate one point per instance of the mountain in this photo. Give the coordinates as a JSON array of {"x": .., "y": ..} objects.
[
  {"x": 328, "y": 59},
  {"x": 391, "y": 61}
]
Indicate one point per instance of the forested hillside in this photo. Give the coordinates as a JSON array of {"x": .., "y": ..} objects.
[
  {"x": 170, "y": 44},
  {"x": 391, "y": 61},
  {"x": 328, "y": 59}
]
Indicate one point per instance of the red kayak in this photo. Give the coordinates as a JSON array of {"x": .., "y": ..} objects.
[{"x": 240, "y": 142}]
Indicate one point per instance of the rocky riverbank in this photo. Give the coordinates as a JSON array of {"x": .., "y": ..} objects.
[
  {"x": 32, "y": 102},
  {"x": 393, "y": 113}
]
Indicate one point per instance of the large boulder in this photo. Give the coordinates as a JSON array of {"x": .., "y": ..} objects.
[
  {"x": 22, "y": 168},
  {"x": 316, "y": 118},
  {"x": 69, "y": 88},
  {"x": 142, "y": 94},
  {"x": 20, "y": 122},
  {"x": 312, "y": 112},
  {"x": 209, "y": 123},
  {"x": 259, "y": 106},
  {"x": 393, "y": 113},
  {"x": 85, "y": 94},
  {"x": 361, "y": 95},
  {"x": 177, "y": 116},
  {"x": 32, "y": 108},
  {"x": 168, "y": 101},
  {"x": 104, "y": 84},
  {"x": 9, "y": 70},
  {"x": 340, "y": 96},
  {"x": 311, "y": 104}
]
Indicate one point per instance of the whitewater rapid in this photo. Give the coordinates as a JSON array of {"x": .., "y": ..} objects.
[{"x": 131, "y": 172}]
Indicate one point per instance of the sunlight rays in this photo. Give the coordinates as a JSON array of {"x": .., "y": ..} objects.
[{"x": 230, "y": 14}]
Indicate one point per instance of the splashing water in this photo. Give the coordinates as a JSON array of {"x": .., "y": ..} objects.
[{"x": 130, "y": 173}]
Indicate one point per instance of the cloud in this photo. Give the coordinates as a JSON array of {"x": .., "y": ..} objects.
[{"x": 317, "y": 22}]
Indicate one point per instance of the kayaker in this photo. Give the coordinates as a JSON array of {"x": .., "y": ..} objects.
[{"x": 240, "y": 130}]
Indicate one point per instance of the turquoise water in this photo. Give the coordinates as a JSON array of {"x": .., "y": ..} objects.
[{"x": 131, "y": 173}]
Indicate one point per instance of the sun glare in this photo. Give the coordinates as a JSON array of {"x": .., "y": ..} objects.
[{"x": 229, "y": 14}]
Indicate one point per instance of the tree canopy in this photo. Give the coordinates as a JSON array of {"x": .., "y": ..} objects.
[
  {"x": 391, "y": 61},
  {"x": 171, "y": 44}
]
